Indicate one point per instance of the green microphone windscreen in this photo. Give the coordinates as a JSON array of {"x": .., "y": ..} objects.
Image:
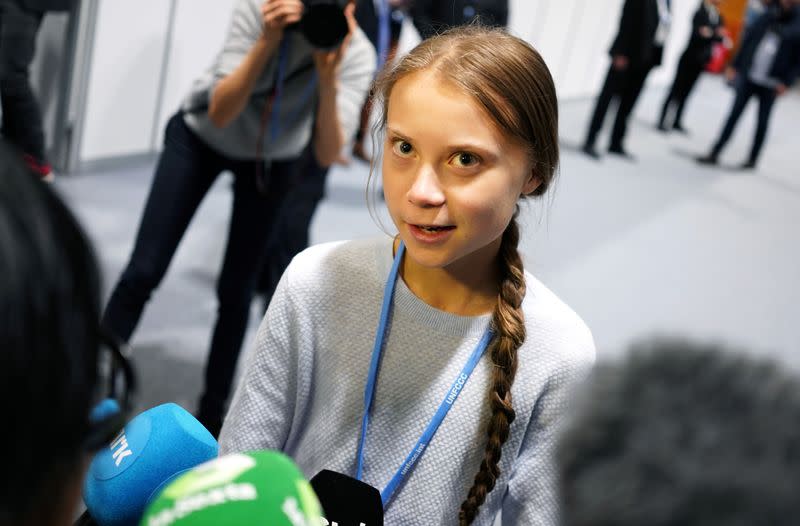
[{"x": 257, "y": 488}]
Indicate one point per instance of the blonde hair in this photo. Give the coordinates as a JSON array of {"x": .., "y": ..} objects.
[{"x": 512, "y": 84}]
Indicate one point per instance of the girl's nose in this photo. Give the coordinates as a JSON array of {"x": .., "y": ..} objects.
[{"x": 426, "y": 191}]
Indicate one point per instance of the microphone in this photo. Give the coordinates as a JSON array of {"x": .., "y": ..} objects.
[
  {"x": 347, "y": 501},
  {"x": 260, "y": 487},
  {"x": 105, "y": 409},
  {"x": 152, "y": 449}
]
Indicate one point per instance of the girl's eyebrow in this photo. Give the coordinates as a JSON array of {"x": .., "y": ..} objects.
[{"x": 392, "y": 131}]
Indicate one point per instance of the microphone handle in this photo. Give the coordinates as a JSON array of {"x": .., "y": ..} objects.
[{"x": 85, "y": 520}]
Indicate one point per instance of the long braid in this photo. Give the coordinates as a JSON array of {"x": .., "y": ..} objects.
[{"x": 509, "y": 326}]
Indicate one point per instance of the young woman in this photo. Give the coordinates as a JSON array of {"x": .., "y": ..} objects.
[{"x": 364, "y": 340}]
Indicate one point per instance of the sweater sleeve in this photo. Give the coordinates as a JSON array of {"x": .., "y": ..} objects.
[
  {"x": 532, "y": 494},
  {"x": 267, "y": 402},
  {"x": 244, "y": 30}
]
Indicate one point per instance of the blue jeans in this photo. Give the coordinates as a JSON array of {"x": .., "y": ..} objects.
[
  {"x": 22, "y": 116},
  {"x": 290, "y": 236},
  {"x": 185, "y": 171}
]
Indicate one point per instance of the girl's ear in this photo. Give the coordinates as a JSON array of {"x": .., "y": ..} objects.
[{"x": 533, "y": 182}]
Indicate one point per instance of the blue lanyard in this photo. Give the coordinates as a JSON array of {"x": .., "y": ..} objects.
[
  {"x": 369, "y": 392},
  {"x": 308, "y": 92},
  {"x": 384, "y": 14}
]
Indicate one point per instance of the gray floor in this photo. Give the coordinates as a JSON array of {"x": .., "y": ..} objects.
[{"x": 660, "y": 246}]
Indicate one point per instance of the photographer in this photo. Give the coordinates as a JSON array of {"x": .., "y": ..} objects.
[{"x": 269, "y": 93}]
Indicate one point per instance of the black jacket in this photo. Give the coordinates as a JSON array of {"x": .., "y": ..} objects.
[
  {"x": 787, "y": 61},
  {"x": 47, "y": 5},
  {"x": 433, "y": 16},
  {"x": 636, "y": 36},
  {"x": 698, "y": 50}
]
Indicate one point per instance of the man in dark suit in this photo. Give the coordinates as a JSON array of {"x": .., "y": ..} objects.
[
  {"x": 768, "y": 63},
  {"x": 22, "y": 117},
  {"x": 637, "y": 48},
  {"x": 434, "y": 16},
  {"x": 707, "y": 29}
]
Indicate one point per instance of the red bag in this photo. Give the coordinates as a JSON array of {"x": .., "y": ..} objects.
[{"x": 719, "y": 57}]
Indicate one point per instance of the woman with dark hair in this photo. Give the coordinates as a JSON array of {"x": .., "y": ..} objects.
[{"x": 49, "y": 345}]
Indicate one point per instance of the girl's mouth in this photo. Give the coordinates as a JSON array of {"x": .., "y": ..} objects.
[{"x": 434, "y": 228}]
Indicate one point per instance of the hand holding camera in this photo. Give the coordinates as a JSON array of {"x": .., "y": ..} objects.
[
  {"x": 276, "y": 15},
  {"x": 327, "y": 61}
]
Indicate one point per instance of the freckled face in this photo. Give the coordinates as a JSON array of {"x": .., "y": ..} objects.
[{"x": 451, "y": 179}]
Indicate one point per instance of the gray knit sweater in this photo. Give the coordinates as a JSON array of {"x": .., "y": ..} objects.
[
  {"x": 302, "y": 390},
  {"x": 298, "y": 100}
]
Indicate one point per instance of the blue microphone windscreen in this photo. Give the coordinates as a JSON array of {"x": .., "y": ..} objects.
[
  {"x": 154, "y": 448},
  {"x": 104, "y": 409}
]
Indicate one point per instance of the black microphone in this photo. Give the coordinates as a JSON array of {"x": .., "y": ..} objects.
[
  {"x": 347, "y": 501},
  {"x": 85, "y": 520}
]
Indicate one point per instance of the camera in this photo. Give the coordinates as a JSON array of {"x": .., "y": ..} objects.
[{"x": 323, "y": 24}]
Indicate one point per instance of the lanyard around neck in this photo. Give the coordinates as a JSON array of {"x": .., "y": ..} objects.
[{"x": 369, "y": 391}]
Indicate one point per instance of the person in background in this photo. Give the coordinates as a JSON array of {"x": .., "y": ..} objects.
[
  {"x": 22, "y": 124},
  {"x": 755, "y": 8},
  {"x": 50, "y": 289},
  {"x": 680, "y": 433},
  {"x": 637, "y": 49},
  {"x": 766, "y": 65},
  {"x": 291, "y": 235},
  {"x": 434, "y": 16},
  {"x": 238, "y": 117},
  {"x": 368, "y": 19},
  {"x": 707, "y": 29},
  {"x": 370, "y": 334}
]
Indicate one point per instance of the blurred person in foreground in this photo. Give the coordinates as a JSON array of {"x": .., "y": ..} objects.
[
  {"x": 766, "y": 65},
  {"x": 22, "y": 126},
  {"x": 637, "y": 48},
  {"x": 49, "y": 347},
  {"x": 239, "y": 117},
  {"x": 707, "y": 29},
  {"x": 682, "y": 434}
]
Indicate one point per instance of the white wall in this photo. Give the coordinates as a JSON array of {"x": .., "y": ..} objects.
[
  {"x": 574, "y": 36},
  {"x": 126, "y": 106},
  {"x": 124, "y": 79},
  {"x": 125, "y": 114},
  {"x": 197, "y": 36}
]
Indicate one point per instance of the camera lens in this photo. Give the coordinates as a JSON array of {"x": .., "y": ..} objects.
[{"x": 324, "y": 25}]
